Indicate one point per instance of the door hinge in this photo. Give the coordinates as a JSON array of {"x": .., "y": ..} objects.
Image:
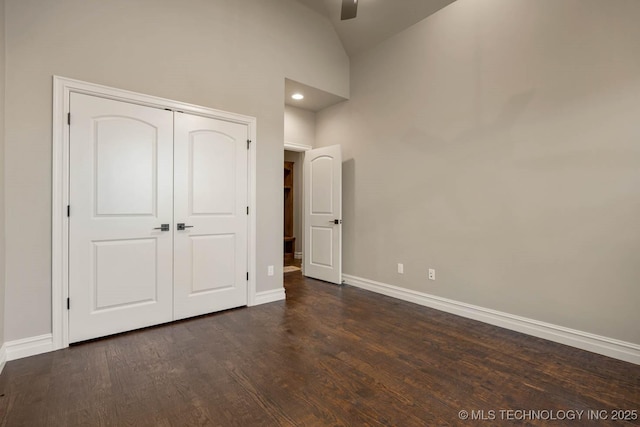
[
  {"x": 248, "y": 143},
  {"x": 247, "y": 210},
  {"x": 247, "y": 275},
  {"x": 68, "y": 303},
  {"x": 69, "y": 119},
  {"x": 68, "y": 211}
]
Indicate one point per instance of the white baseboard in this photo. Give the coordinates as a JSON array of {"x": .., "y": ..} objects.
[
  {"x": 3, "y": 356},
  {"x": 269, "y": 296},
  {"x": 297, "y": 255},
  {"x": 629, "y": 352},
  {"x": 29, "y": 346}
]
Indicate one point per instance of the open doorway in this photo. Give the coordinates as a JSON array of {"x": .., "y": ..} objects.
[
  {"x": 301, "y": 104},
  {"x": 292, "y": 199}
]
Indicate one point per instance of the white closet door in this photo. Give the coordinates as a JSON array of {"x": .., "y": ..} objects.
[
  {"x": 210, "y": 184},
  {"x": 120, "y": 263}
]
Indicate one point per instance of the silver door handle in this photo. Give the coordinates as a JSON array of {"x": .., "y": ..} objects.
[
  {"x": 182, "y": 226},
  {"x": 163, "y": 227}
]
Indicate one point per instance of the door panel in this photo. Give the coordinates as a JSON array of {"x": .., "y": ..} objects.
[
  {"x": 125, "y": 153},
  {"x": 321, "y": 185},
  {"x": 120, "y": 190},
  {"x": 125, "y": 273},
  {"x": 214, "y": 262},
  {"x": 322, "y": 207},
  {"x": 321, "y": 246},
  {"x": 212, "y": 158},
  {"x": 211, "y": 198}
]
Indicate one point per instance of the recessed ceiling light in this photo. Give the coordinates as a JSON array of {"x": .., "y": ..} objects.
[{"x": 297, "y": 96}]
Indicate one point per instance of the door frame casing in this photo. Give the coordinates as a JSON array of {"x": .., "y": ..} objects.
[
  {"x": 62, "y": 89},
  {"x": 294, "y": 146},
  {"x": 299, "y": 148}
]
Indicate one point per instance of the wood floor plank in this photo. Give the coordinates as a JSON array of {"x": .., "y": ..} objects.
[{"x": 327, "y": 356}]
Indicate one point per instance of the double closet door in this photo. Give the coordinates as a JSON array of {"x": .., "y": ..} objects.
[{"x": 158, "y": 216}]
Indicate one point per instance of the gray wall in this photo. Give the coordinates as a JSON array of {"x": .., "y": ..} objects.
[
  {"x": 299, "y": 126},
  {"x": 498, "y": 141},
  {"x": 231, "y": 55},
  {"x": 2, "y": 171}
]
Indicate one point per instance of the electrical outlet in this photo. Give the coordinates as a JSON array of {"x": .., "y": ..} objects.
[
  {"x": 400, "y": 268},
  {"x": 270, "y": 271},
  {"x": 432, "y": 274}
]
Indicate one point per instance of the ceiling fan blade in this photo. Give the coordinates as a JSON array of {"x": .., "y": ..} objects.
[{"x": 349, "y": 9}]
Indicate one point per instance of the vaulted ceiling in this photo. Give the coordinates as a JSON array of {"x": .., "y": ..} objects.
[{"x": 377, "y": 20}]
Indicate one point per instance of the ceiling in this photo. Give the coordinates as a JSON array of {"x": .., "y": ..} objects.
[
  {"x": 377, "y": 20},
  {"x": 314, "y": 98}
]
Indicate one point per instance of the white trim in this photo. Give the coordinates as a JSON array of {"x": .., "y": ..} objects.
[
  {"x": 253, "y": 226},
  {"x": 617, "y": 349},
  {"x": 3, "y": 356},
  {"x": 266, "y": 297},
  {"x": 62, "y": 89},
  {"x": 294, "y": 146},
  {"x": 29, "y": 346},
  {"x": 297, "y": 255}
]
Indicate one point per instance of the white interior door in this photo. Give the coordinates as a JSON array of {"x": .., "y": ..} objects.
[
  {"x": 211, "y": 200},
  {"x": 323, "y": 214},
  {"x": 120, "y": 192}
]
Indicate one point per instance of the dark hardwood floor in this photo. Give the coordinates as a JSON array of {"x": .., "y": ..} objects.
[{"x": 328, "y": 356}]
